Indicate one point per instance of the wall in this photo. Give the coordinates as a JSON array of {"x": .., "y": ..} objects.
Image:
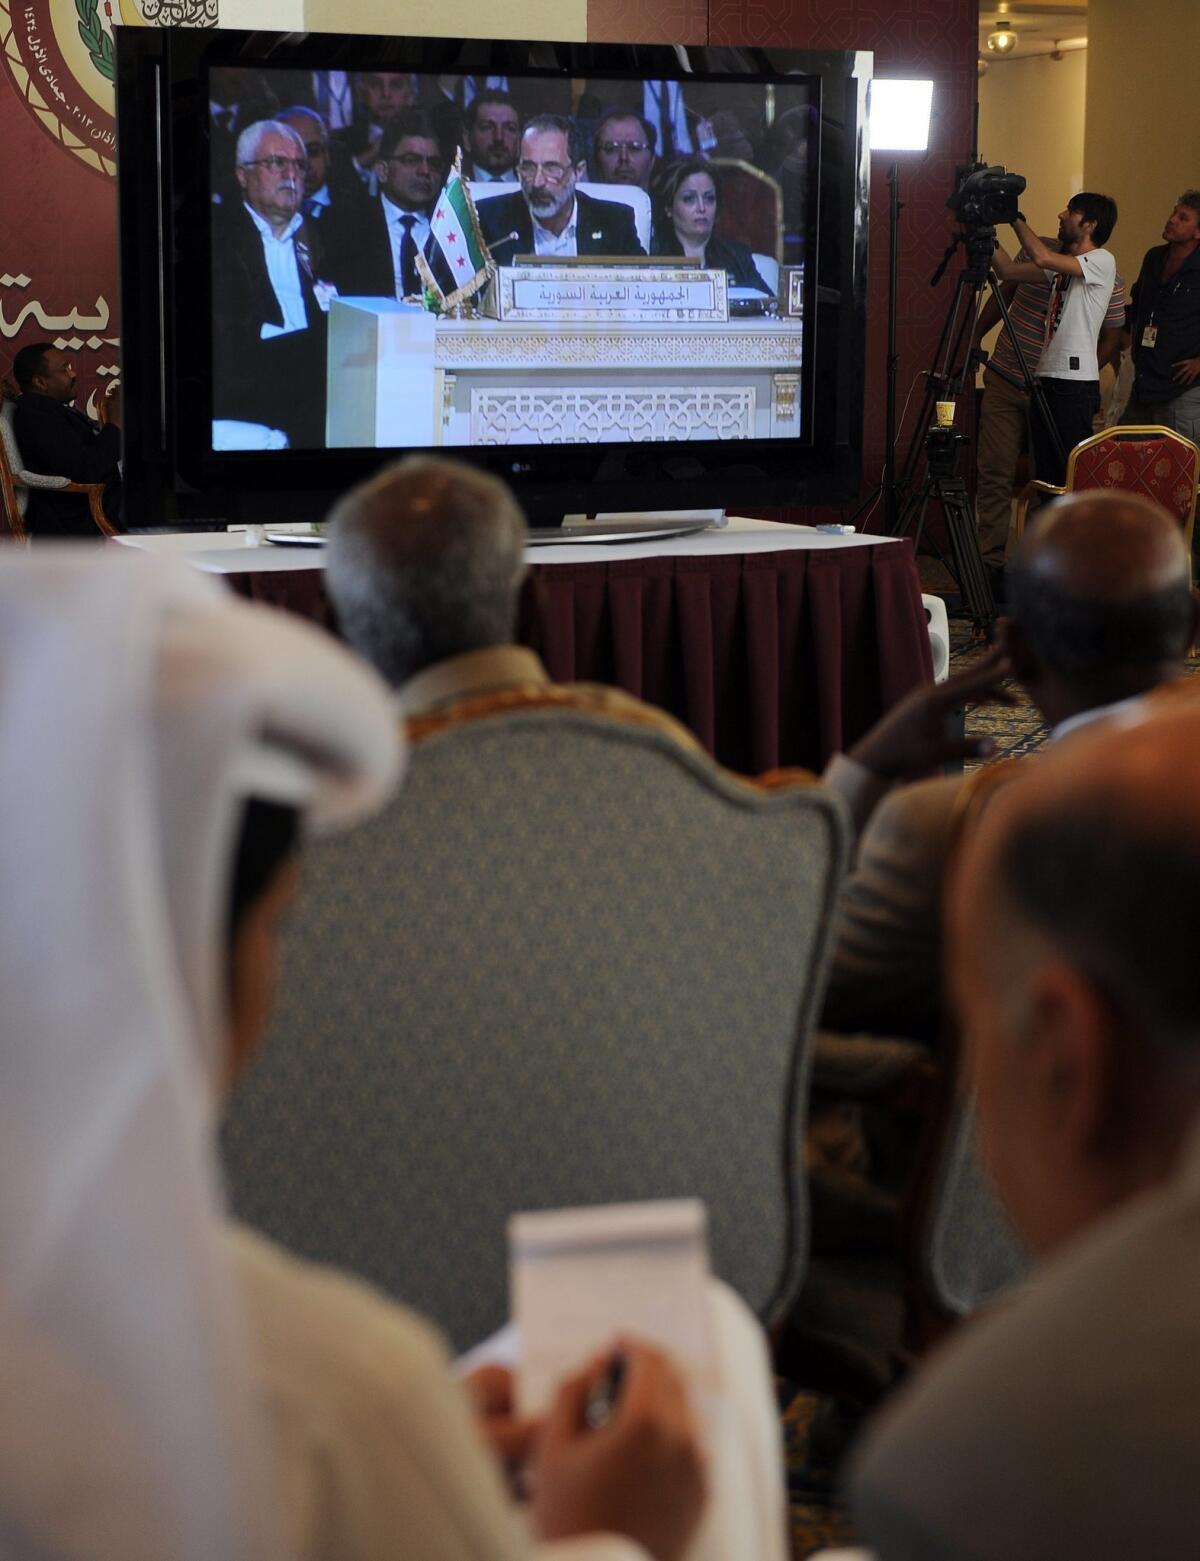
[
  {"x": 1031, "y": 119},
  {"x": 1141, "y": 94},
  {"x": 562, "y": 20},
  {"x": 66, "y": 248}
]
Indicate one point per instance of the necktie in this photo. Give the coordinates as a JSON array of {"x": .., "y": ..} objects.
[{"x": 409, "y": 281}]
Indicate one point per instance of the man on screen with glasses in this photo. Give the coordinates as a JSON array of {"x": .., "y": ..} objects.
[
  {"x": 268, "y": 303},
  {"x": 377, "y": 257},
  {"x": 549, "y": 215}
]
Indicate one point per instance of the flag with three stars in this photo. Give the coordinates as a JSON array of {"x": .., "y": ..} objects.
[{"x": 456, "y": 263}]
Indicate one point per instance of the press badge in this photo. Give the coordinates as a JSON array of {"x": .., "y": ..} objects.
[{"x": 1150, "y": 336}]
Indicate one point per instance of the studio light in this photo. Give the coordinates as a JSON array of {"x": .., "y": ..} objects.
[{"x": 900, "y": 112}]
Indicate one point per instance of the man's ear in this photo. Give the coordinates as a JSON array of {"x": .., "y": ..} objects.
[
  {"x": 1072, "y": 1059},
  {"x": 242, "y": 177},
  {"x": 581, "y": 168}
]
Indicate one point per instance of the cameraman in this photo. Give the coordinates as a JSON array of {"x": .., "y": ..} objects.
[
  {"x": 1004, "y": 409},
  {"x": 1081, "y": 282}
]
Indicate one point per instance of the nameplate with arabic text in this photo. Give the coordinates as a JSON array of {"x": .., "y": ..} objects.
[{"x": 672, "y": 294}]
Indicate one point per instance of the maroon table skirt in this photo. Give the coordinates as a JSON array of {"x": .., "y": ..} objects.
[{"x": 772, "y": 659}]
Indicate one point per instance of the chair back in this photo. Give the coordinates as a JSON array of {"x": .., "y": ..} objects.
[
  {"x": 626, "y": 195},
  {"x": 573, "y": 963},
  {"x": 962, "y": 1248},
  {"x": 750, "y": 208},
  {"x": 13, "y": 498},
  {"x": 1151, "y": 460}
]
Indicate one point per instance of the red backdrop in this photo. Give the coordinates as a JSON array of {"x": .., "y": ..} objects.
[{"x": 59, "y": 233}]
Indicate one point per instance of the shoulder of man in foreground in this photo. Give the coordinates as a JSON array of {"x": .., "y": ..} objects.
[
  {"x": 1061, "y": 1424},
  {"x": 373, "y": 1440}
]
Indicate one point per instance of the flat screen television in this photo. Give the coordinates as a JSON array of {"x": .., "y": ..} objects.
[{"x": 621, "y": 277}]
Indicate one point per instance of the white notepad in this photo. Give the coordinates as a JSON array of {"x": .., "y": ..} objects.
[{"x": 580, "y": 1277}]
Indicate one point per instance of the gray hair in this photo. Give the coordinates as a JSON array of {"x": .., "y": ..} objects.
[
  {"x": 424, "y": 562},
  {"x": 253, "y": 135}
]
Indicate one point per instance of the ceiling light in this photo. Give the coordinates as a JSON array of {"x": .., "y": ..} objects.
[
  {"x": 1002, "y": 40},
  {"x": 981, "y": 66}
]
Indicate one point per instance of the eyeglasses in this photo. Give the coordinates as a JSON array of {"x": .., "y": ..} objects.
[
  {"x": 553, "y": 173},
  {"x": 417, "y": 160},
  {"x": 611, "y": 148},
  {"x": 279, "y": 164}
]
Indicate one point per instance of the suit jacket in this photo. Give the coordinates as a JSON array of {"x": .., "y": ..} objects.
[
  {"x": 602, "y": 227},
  {"x": 279, "y": 382},
  {"x": 1064, "y": 1424},
  {"x": 886, "y": 975},
  {"x": 730, "y": 256},
  {"x": 886, "y": 972},
  {"x": 737, "y": 260},
  {"x": 359, "y": 257},
  {"x": 58, "y": 441}
]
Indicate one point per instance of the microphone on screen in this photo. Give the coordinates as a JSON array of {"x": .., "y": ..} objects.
[{"x": 509, "y": 238}]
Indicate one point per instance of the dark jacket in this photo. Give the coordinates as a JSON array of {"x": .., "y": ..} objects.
[
  {"x": 726, "y": 254},
  {"x": 279, "y": 382},
  {"x": 602, "y": 227},
  {"x": 359, "y": 259},
  {"x": 1174, "y": 307},
  {"x": 57, "y": 441}
]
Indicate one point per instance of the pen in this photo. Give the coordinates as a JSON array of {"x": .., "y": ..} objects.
[{"x": 602, "y": 1395}]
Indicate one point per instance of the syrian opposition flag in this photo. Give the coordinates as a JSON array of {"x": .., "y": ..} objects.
[{"x": 456, "y": 263}]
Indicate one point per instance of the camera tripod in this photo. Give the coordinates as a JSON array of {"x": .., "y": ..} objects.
[{"x": 954, "y": 363}]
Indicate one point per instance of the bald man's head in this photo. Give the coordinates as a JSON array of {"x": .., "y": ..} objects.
[
  {"x": 1074, "y": 971},
  {"x": 1100, "y": 599},
  {"x": 425, "y": 562}
]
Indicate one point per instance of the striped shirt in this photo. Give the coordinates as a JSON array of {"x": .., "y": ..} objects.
[{"x": 1028, "y": 315}]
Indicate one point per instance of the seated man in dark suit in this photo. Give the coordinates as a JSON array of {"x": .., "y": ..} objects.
[
  {"x": 549, "y": 216},
  {"x": 270, "y": 327},
  {"x": 375, "y": 256},
  {"x": 58, "y": 441}
]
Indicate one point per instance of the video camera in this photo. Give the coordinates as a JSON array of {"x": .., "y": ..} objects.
[{"x": 985, "y": 197}]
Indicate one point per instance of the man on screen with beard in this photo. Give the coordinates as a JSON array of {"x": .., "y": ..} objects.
[{"x": 549, "y": 216}]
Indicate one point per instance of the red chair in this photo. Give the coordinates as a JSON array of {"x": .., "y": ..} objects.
[
  {"x": 751, "y": 207},
  {"x": 1150, "y": 460}
]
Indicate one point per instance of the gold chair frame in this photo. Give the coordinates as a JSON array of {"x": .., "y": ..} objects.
[{"x": 1122, "y": 430}]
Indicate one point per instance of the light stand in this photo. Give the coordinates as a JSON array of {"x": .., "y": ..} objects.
[
  {"x": 898, "y": 121},
  {"x": 891, "y": 499}
]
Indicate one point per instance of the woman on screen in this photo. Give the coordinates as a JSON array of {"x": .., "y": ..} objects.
[{"x": 688, "y": 199}]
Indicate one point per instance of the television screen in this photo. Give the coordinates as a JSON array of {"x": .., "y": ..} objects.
[
  {"x": 407, "y": 259},
  {"x": 620, "y": 277}
]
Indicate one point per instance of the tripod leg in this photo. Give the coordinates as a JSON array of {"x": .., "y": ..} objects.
[{"x": 964, "y": 545}]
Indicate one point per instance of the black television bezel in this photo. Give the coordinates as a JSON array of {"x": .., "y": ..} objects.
[{"x": 172, "y": 473}]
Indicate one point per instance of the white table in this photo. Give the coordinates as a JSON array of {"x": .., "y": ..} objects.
[{"x": 219, "y": 552}]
